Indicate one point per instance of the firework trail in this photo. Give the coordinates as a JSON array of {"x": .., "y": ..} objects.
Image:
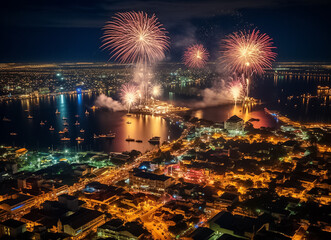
[
  {"x": 133, "y": 37},
  {"x": 248, "y": 52},
  {"x": 195, "y": 56},
  {"x": 129, "y": 95},
  {"x": 236, "y": 88}
]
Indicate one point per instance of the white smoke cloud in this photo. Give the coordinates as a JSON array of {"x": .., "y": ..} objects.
[
  {"x": 219, "y": 94},
  {"x": 108, "y": 102}
]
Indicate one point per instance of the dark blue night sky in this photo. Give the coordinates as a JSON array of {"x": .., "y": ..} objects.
[{"x": 65, "y": 31}]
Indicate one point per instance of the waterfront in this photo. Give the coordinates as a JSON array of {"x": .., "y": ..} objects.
[{"x": 32, "y": 135}]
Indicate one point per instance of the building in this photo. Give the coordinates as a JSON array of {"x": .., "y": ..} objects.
[
  {"x": 116, "y": 229},
  {"x": 71, "y": 202},
  {"x": 17, "y": 203},
  {"x": 80, "y": 221},
  {"x": 149, "y": 181},
  {"x": 234, "y": 123},
  {"x": 12, "y": 228},
  {"x": 235, "y": 225}
]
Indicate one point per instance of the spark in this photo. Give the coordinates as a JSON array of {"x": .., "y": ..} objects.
[
  {"x": 236, "y": 88},
  {"x": 195, "y": 56},
  {"x": 156, "y": 90},
  {"x": 134, "y": 37},
  {"x": 129, "y": 95},
  {"x": 248, "y": 52}
]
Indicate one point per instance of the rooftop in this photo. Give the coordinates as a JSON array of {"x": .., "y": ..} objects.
[
  {"x": 12, "y": 223},
  {"x": 81, "y": 217},
  {"x": 234, "y": 119}
]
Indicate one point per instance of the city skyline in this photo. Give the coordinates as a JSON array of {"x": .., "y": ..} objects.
[{"x": 164, "y": 120}]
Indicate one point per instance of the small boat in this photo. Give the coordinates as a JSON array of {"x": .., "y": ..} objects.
[
  {"x": 111, "y": 135},
  {"x": 128, "y": 122},
  {"x": 30, "y": 117},
  {"x": 139, "y": 141},
  {"x": 79, "y": 139},
  {"x": 87, "y": 112},
  {"x": 61, "y": 132},
  {"x": 82, "y": 130},
  {"x": 129, "y": 139},
  {"x": 65, "y": 129},
  {"x": 77, "y": 116},
  {"x": 57, "y": 111},
  {"x": 6, "y": 119},
  {"x": 95, "y": 136},
  {"x": 51, "y": 128},
  {"x": 154, "y": 140},
  {"x": 13, "y": 134},
  {"x": 65, "y": 124},
  {"x": 42, "y": 123},
  {"x": 64, "y": 118},
  {"x": 77, "y": 123},
  {"x": 102, "y": 135},
  {"x": 65, "y": 139}
]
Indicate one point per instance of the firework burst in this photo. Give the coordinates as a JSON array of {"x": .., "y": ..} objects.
[
  {"x": 236, "y": 88},
  {"x": 246, "y": 52},
  {"x": 134, "y": 37},
  {"x": 129, "y": 94},
  {"x": 195, "y": 56},
  {"x": 156, "y": 90}
]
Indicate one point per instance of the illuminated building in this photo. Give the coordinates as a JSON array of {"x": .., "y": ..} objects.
[
  {"x": 116, "y": 229},
  {"x": 234, "y": 124},
  {"x": 12, "y": 228},
  {"x": 149, "y": 181},
  {"x": 81, "y": 220},
  {"x": 235, "y": 225},
  {"x": 17, "y": 203},
  {"x": 323, "y": 91}
]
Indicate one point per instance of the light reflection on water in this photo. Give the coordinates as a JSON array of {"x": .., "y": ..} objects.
[
  {"x": 223, "y": 112},
  {"x": 34, "y": 136}
]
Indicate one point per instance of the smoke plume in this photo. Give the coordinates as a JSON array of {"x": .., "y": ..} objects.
[
  {"x": 108, "y": 102},
  {"x": 217, "y": 95}
]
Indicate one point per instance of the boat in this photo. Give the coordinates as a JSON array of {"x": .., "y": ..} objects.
[
  {"x": 82, "y": 130},
  {"x": 64, "y": 118},
  {"x": 65, "y": 139},
  {"x": 30, "y": 117},
  {"x": 87, "y": 112},
  {"x": 274, "y": 114},
  {"x": 129, "y": 115},
  {"x": 95, "y": 136},
  {"x": 128, "y": 122},
  {"x": 42, "y": 123},
  {"x": 129, "y": 139},
  {"x": 65, "y": 124},
  {"x": 111, "y": 135},
  {"x": 61, "y": 132},
  {"x": 102, "y": 135},
  {"x": 13, "y": 134},
  {"x": 154, "y": 140},
  {"x": 79, "y": 139},
  {"x": 57, "y": 111},
  {"x": 77, "y": 123},
  {"x": 139, "y": 141},
  {"x": 77, "y": 116},
  {"x": 6, "y": 119},
  {"x": 65, "y": 129},
  {"x": 51, "y": 128}
]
